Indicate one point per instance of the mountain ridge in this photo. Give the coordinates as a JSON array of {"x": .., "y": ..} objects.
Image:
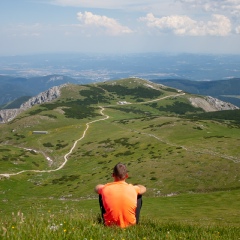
[
  {"x": 225, "y": 90},
  {"x": 207, "y": 103},
  {"x": 13, "y": 88},
  {"x": 7, "y": 115}
]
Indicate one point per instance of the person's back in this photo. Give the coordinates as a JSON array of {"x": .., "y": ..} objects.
[{"x": 118, "y": 200}]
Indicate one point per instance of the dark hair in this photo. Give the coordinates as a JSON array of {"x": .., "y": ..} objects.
[{"x": 120, "y": 171}]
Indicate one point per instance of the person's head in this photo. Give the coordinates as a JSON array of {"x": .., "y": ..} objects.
[{"x": 120, "y": 172}]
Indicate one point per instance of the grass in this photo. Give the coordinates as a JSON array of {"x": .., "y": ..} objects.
[
  {"x": 78, "y": 226},
  {"x": 212, "y": 215},
  {"x": 195, "y": 161},
  {"x": 214, "y": 208},
  {"x": 17, "y": 159},
  {"x": 169, "y": 153},
  {"x": 68, "y": 223}
]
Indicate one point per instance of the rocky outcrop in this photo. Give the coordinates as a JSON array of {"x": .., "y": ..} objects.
[
  {"x": 220, "y": 105},
  {"x": 43, "y": 97},
  {"x": 7, "y": 115},
  {"x": 210, "y": 104}
]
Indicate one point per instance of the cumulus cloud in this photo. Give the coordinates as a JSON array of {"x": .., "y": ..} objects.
[
  {"x": 219, "y": 25},
  {"x": 108, "y": 25}
]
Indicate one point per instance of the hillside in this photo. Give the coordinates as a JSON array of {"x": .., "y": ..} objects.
[
  {"x": 15, "y": 103},
  {"x": 168, "y": 144},
  {"x": 14, "y": 88},
  {"x": 225, "y": 90}
]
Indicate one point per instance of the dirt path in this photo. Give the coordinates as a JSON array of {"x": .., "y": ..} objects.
[
  {"x": 105, "y": 117},
  {"x": 7, "y": 175}
]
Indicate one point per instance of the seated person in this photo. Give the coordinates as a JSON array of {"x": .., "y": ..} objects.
[{"x": 120, "y": 202}]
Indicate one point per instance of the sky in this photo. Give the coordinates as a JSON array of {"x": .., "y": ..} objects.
[{"x": 119, "y": 26}]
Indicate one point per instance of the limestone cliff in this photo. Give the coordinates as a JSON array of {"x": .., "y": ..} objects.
[
  {"x": 210, "y": 104},
  {"x": 43, "y": 97},
  {"x": 7, "y": 115}
]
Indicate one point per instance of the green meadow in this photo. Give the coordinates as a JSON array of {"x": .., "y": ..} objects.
[
  {"x": 189, "y": 161},
  {"x": 188, "y": 216}
]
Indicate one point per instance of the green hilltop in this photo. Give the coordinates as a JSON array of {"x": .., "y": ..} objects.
[{"x": 170, "y": 146}]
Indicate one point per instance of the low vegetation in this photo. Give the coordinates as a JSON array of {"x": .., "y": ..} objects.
[
  {"x": 187, "y": 216},
  {"x": 226, "y": 90},
  {"x": 187, "y": 159},
  {"x": 79, "y": 226}
]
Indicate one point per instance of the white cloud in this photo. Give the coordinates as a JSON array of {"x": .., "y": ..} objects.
[
  {"x": 219, "y": 6},
  {"x": 107, "y": 4},
  {"x": 83, "y": 3},
  {"x": 233, "y": 6},
  {"x": 238, "y": 29},
  {"x": 184, "y": 25},
  {"x": 125, "y": 5},
  {"x": 108, "y": 25},
  {"x": 24, "y": 30}
]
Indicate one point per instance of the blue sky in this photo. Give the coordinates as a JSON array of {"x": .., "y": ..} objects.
[{"x": 119, "y": 26}]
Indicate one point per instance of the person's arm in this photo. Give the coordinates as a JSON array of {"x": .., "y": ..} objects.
[
  {"x": 142, "y": 189},
  {"x": 98, "y": 188}
]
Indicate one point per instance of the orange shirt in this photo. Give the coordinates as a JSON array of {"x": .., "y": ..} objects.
[{"x": 120, "y": 202}]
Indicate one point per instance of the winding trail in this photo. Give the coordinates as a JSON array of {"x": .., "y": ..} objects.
[
  {"x": 7, "y": 175},
  {"x": 105, "y": 117}
]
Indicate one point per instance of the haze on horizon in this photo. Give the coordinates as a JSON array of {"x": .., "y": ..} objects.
[{"x": 174, "y": 26}]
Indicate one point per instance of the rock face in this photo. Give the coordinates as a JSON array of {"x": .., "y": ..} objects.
[
  {"x": 210, "y": 104},
  {"x": 43, "y": 97},
  {"x": 7, "y": 115},
  {"x": 220, "y": 105}
]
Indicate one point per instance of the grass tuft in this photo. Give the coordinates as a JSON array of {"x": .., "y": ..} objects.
[{"x": 72, "y": 225}]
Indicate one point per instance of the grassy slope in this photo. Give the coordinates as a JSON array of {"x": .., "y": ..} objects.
[
  {"x": 225, "y": 90},
  {"x": 70, "y": 224},
  {"x": 167, "y": 153}
]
